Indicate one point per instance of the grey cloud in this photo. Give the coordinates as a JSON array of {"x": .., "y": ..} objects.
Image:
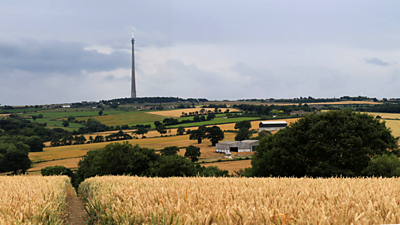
[
  {"x": 376, "y": 61},
  {"x": 57, "y": 57}
]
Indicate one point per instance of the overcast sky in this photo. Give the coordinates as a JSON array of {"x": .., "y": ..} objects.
[{"x": 70, "y": 51}]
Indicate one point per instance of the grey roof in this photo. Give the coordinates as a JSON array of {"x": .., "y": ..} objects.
[{"x": 250, "y": 141}]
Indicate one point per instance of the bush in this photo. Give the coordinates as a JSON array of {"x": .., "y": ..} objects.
[
  {"x": 55, "y": 171},
  {"x": 59, "y": 170},
  {"x": 383, "y": 166}
]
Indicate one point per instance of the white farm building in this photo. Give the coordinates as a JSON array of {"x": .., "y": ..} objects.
[
  {"x": 236, "y": 146},
  {"x": 272, "y": 125}
]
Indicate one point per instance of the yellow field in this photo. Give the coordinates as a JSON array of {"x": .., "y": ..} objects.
[
  {"x": 231, "y": 166},
  {"x": 68, "y": 163},
  {"x": 33, "y": 199},
  {"x": 140, "y": 200},
  {"x": 74, "y": 151},
  {"x": 178, "y": 112}
]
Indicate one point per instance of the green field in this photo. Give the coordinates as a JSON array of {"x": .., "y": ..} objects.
[
  {"x": 128, "y": 118},
  {"x": 215, "y": 121}
]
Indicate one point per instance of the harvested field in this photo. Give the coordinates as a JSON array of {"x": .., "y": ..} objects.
[
  {"x": 140, "y": 200},
  {"x": 74, "y": 151},
  {"x": 178, "y": 112},
  {"x": 69, "y": 163},
  {"x": 255, "y": 124},
  {"x": 231, "y": 166},
  {"x": 395, "y": 126},
  {"x": 386, "y": 115},
  {"x": 33, "y": 199}
]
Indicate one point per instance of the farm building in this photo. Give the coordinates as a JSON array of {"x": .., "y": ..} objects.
[
  {"x": 272, "y": 125},
  {"x": 236, "y": 146}
]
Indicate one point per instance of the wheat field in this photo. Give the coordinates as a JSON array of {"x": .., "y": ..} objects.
[
  {"x": 33, "y": 199},
  {"x": 140, "y": 200}
]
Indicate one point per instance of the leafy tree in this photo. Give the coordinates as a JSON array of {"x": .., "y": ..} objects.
[
  {"x": 58, "y": 170},
  {"x": 196, "y": 118},
  {"x": 198, "y": 134},
  {"x": 67, "y": 139},
  {"x": 40, "y": 116},
  {"x": 213, "y": 171},
  {"x": 34, "y": 118},
  {"x": 383, "y": 166},
  {"x": 329, "y": 144},
  {"x": 180, "y": 130},
  {"x": 193, "y": 153},
  {"x": 100, "y": 112},
  {"x": 215, "y": 134},
  {"x": 243, "y": 124},
  {"x": 98, "y": 138},
  {"x": 172, "y": 165},
  {"x": 116, "y": 159},
  {"x": 169, "y": 150},
  {"x": 142, "y": 131},
  {"x": 65, "y": 123},
  {"x": 14, "y": 157},
  {"x": 161, "y": 129},
  {"x": 243, "y": 134},
  {"x": 16, "y": 161},
  {"x": 55, "y": 171},
  {"x": 210, "y": 116},
  {"x": 35, "y": 144},
  {"x": 157, "y": 123},
  {"x": 263, "y": 133}
]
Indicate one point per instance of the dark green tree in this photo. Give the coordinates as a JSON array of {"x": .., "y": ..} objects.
[
  {"x": 263, "y": 133},
  {"x": 180, "y": 131},
  {"x": 65, "y": 123},
  {"x": 157, "y": 123},
  {"x": 116, "y": 159},
  {"x": 100, "y": 112},
  {"x": 215, "y": 134},
  {"x": 243, "y": 134},
  {"x": 161, "y": 129},
  {"x": 55, "y": 171},
  {"x": 142, "y": 131},
  {"x": 383, "y": 166},
  {"x": 15, "y": 161},
  {"x": 213, "y": 171},
  {"x": 169, "y": 150},
  {"x": 210, "y": 116},
  {"x": 172, "y": 166},
  {"x": 243, "y": 124},
  {"x": 34, "y": 118},
  {"x": 35, "y": 144},
  {"x": 198, "y": 134},
  {"x": 335, "y": 143},
  {"x": 193, "y": 153},
  {"x": 40, "y": 116}
]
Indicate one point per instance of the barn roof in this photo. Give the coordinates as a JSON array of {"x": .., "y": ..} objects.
[{"x": 273, "y": 122}]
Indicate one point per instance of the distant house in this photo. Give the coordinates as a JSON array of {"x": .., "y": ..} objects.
[
  {"x": 66, "y": 106},
  {"x": 236, "y": 146},
  {"x": 272, "y": 125}
]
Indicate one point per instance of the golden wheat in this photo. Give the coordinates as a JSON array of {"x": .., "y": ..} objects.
[
  {"x": 139, "y": 200},
  {"x": 33, "y": 199}
]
